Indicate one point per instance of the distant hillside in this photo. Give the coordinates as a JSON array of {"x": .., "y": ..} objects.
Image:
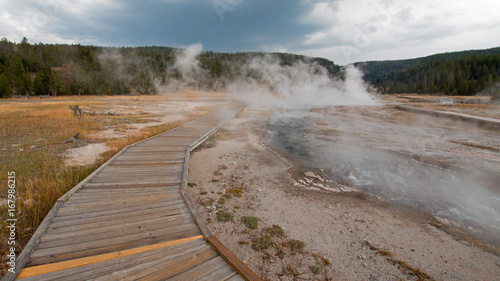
[
  {"x": 56, "y": 69},
  {"x": 456, "y": 73}
]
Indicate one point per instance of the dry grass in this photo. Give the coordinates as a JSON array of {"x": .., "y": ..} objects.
[
  {"x": 31, "y": 144},
  {"x": 402, "y": 265}
]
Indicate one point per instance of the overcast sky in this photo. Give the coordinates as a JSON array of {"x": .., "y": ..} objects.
[{"x": 341, "y": 30}]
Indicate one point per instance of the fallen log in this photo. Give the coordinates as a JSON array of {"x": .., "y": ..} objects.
[{"x": 79, "y": 112}]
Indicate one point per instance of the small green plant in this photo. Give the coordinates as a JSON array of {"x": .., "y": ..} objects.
[
  {"x": 275, "y": 230},
  {"x": 241, "y": 242},
  {"x": 292, "y": 270},
  {"x": 217, "y": 173},
  {"x": 296, "y": 245},
  {"x": 222, "y": 200},
  {"x": 237, "y": 192},
  {"x": 191, "y": 184},
  {"x": 215, "y": 180},
  {"x": 203, "y": 193},
  {"x": 251, "y": 222},
  {"x": 225, "y": 216},
  {"x": 281, "y": 254},
  {"x": 262, "y": 243},
  {"x": 402, "y": 265},
  {"x": 325, "y": 261},
  {"x": 315, "y": 269}
]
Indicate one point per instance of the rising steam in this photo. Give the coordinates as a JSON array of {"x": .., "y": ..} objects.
[
  {"x": 299, "y": 86},
  {"x": 187, "y": 64}
]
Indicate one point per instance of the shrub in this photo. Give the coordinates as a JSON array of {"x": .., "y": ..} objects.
[
  {"x": 262, "y": 243},
  {"x": 251, "y": 222},
  {"x": 275, "y": 230},
  {"x": 225, "y": 216},
  {"x": 315, "y": 269},
  {"x": 296, "y": 245}
]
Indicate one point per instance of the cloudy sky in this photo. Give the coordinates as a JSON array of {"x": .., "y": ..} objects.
[{"x": 341, "y": 30}]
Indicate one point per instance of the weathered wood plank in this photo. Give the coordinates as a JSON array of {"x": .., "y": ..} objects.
[
  {"x": 122, "y": 193},
  {"x": 91, "y": 187},
  {"x": 169, "y": 270},
  {"x": 82, "y": 219},
  {"x": 118, "y": 224},
  {"x": 89, "y": 249},
  {"x": 128, "y": 181},
  {"x": 122, "y": 260},
  {"x": 215, "y": 269},
  {"x": 236, "y": 277},
  {"x": 135, "y": 269},
  {"x": 101, "y": 216},
  {"x": 232, "y": 259},
  {"x": 111, "y": 193},
  {"x": 123, "y": 200},
  {"x": 128, "y": 228},
  {"x": 71, "y": 209},
  {"x": 117, "y": 195}
]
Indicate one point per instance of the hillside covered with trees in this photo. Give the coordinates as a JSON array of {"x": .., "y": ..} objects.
[
  {"x": 56, "y": 69},
  {"x": 457, "y": 73}
]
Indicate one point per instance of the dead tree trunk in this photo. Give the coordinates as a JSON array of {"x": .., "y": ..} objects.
[{"x": 76, "y": 110}]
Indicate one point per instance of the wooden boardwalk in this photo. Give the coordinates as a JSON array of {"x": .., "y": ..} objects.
[
  {"x": 132, "y": 220},
  {"x": 485, "y": 122}
]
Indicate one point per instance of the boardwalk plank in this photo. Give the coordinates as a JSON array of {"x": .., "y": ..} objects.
[
  {"x": 117, "y": 225},
  {"x": 91, "y": 187},
  {"x": 215, "y": 269},
  {"x": 84, "y": 219},
  {"x": 117, "y": 206},
  {"x": 112, "y": 231},
  {"x": 137, "y": 270},
  {"x": 88, "y": 249},
  {"x": 171, "y": 269},
  {"x": 108, "y": 267},
  {"x": 147, "y": 213},
  {"x": 235, "y": 278}
]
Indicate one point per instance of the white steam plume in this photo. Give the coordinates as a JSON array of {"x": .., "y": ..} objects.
[
  {"x": 188, "y": 65},
  {"x": 300, "y": 86}
]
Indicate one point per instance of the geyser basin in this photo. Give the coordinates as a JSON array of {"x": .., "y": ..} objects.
[{"x": 414, "y": 160}]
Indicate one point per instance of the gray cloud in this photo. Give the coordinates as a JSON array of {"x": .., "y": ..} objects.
[{"x": 341, "y": 30}]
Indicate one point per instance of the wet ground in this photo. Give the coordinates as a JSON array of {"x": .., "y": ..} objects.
[{"x": 446, "y": 167}]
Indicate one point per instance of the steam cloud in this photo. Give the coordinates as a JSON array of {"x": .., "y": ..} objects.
[
  {"x": 187, "y": 64},
  {"x": 300, "y": 86}
]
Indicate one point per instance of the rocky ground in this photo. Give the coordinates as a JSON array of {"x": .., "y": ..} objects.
[{"x": 276, "y": 219}]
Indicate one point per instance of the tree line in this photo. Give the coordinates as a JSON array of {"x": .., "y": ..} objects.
[
  {"x": 457, "y": 73},
  {"x": 60, "y": 69}
]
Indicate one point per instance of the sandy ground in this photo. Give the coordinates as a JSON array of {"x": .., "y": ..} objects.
[
  {"x": 347, "y": 235},
  {"x": 85, "y": 155}
]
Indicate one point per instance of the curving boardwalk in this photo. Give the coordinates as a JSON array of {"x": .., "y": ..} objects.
[{"x": 132, "y": 220}]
